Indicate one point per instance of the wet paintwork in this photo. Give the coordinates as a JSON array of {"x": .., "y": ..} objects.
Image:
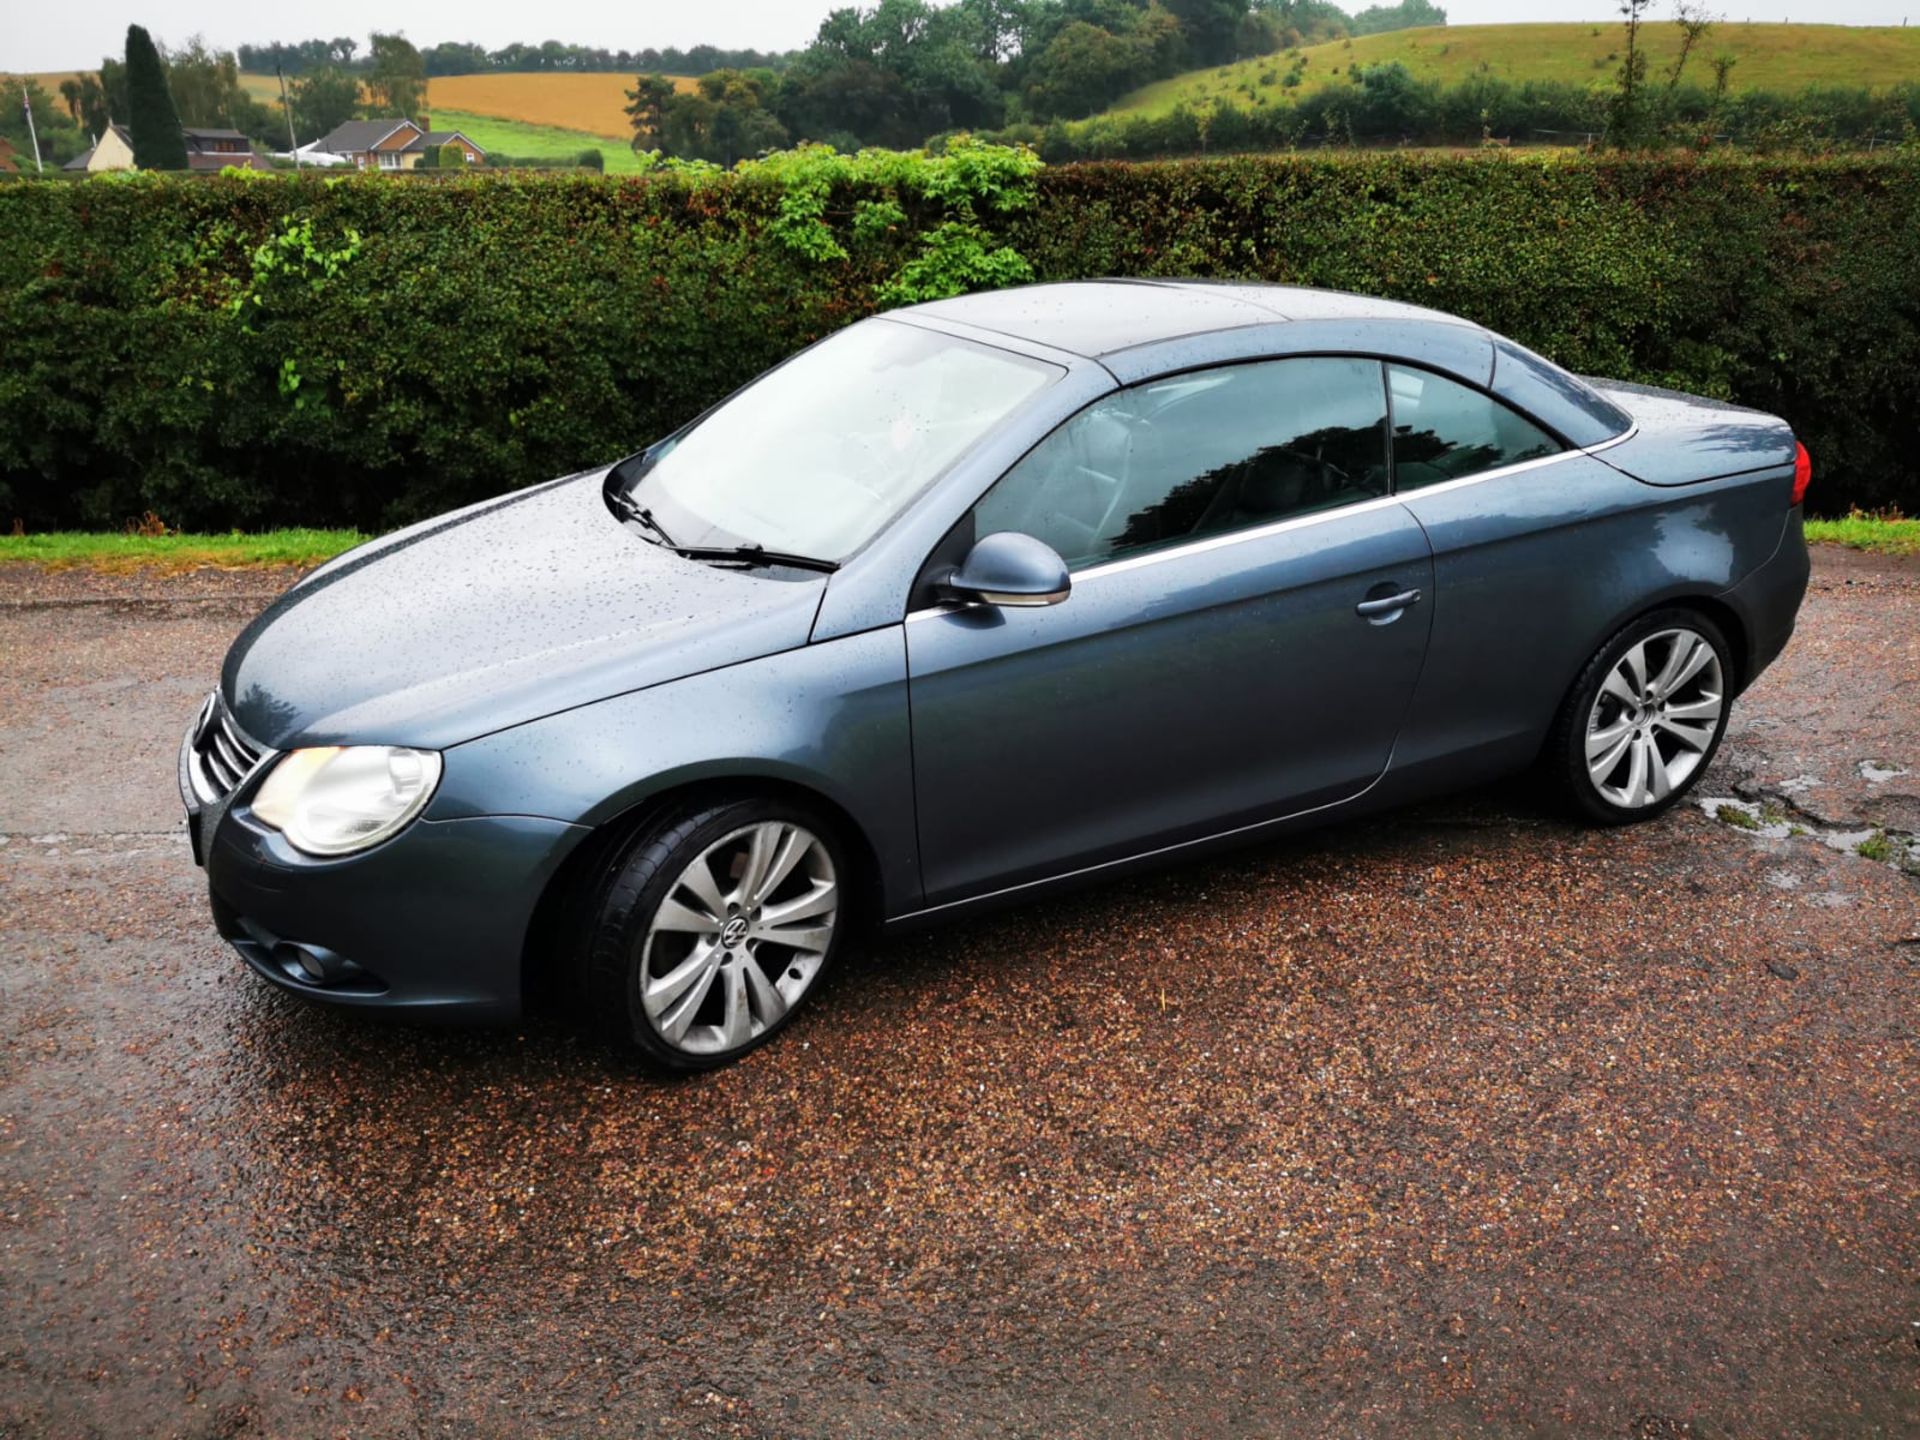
[
  {"x": 572, "y": 671},
  {"x": 500, "y": 617}
]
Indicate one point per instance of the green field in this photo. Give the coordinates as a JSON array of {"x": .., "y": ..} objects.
[
  {"x": 523, "y": 141},
  {"x": 1784, "y": 58}
]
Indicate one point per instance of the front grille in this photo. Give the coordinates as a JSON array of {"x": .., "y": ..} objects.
[{"x": 221, "y": 756}]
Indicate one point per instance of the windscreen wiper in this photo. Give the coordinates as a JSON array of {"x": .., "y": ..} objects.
[
  {"x": 630, "y": 509},
  {"x": 756, "y": 555}
]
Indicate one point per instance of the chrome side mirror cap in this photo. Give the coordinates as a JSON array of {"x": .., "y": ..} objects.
[{"x": 1006, "y": 568}]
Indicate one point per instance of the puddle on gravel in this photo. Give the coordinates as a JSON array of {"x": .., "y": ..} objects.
[{"x": 1769, "y": 821}]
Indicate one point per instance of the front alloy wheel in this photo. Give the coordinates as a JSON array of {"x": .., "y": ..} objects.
[
  {"x": 711, "y": 926},
  {"x": 739, "y": 938}
]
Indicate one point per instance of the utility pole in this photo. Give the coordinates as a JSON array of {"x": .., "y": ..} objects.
[
  {"x": 293, "y": 141},
  {"x": 33, "y": 136}
]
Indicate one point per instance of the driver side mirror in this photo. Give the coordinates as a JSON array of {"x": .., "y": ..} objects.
[{"x": 1006, "y": 568}]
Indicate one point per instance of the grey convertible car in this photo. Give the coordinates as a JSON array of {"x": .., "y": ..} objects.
[{"x": 968, "y": 601}]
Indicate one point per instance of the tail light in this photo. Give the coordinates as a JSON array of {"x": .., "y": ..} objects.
[{"x": 1802, "y": 472}]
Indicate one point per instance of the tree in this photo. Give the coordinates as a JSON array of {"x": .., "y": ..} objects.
[
  {"x": 1307, "y": 22},
  {"x": 1694, "y": 20},
  {"x": 1081, "y": 71},
  {"x": 1628, "y": 120},
  {"x": 1211, "y": 27},
  {"x": 86, "y": 101},
  {"x": 113, "y": 84},
  {"x": 206, "y": 89},
  {"x": 727, "y": 118},
  {"x": 1407, "y": 15},
  {"x": 991, "y": 29},
  {"x": 60, "y": 138},
  {"x": 202, "y": 83},
  {"x": 896, "y": 73},
  {"x": 157, "y": 141},
  {"x": 846, "y": 103},
  {"x": 324, "y": 99},
  {"x": 398, "y": 80},
  {"x": 647, "y": 108}
]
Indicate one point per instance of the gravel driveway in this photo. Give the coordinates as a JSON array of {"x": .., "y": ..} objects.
[{"x": 1461, "y": 1121}]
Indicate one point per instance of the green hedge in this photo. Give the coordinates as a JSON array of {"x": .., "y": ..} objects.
[{"x": 278, "y": 349}]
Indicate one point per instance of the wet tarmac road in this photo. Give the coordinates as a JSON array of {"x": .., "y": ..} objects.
[{"x": 1463, "y": 1121}]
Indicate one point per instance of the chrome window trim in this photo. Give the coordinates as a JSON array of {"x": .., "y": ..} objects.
[{"x": 1298, "y": 522}]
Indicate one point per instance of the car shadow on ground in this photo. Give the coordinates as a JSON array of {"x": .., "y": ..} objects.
[{"x": 548, "y": 1044}]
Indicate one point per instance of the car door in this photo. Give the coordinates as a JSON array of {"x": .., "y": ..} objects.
[
  {"x": 1245, "y": 627},
  {"x": 1531, "y": 542}
]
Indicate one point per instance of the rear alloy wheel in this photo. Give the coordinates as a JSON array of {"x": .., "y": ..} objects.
[
  {"x": 1645, "y": 718},
  {"x": 714, "y": 928}
]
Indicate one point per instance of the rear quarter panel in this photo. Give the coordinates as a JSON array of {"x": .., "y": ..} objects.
[{"x": 1534, "y": 570}]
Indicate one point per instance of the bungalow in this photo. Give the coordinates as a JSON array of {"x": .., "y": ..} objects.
[
  {"x": 392, "y": 144},
  {"x": 206, "y": 150}
]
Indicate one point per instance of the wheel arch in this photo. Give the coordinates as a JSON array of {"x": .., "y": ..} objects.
[
  {"x": 1732, "y": 628},
  {"x": 560, "y": 915},
  {"x": 1724, "y": 617}
]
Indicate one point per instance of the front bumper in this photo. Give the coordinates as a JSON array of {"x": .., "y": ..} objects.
[{"x": 428, "y": 925}]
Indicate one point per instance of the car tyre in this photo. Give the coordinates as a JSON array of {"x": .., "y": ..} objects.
[
  {"x": 1644, "y": 719},
  {"x": 711, "y": 926}
]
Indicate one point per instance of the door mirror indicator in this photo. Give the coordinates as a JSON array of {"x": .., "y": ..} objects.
[{"x": 1006, "y": 568}]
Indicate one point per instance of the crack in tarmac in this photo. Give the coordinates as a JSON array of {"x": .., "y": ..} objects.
[{"x": 1753, "y": 799}]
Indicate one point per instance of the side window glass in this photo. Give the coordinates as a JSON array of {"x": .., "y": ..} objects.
[
  {"x": 1202, "y": 454},
  {"x": 1443, "y": 430}
]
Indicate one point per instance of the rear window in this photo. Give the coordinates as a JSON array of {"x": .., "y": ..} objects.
[
  {"x": 1443, "y": 430},
  {"x": 1555, "y": 396}
]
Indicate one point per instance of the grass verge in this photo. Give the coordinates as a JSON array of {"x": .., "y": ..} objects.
[
  {"x": 1882, "y": 534},
  {"x": 67, "y": 549}
]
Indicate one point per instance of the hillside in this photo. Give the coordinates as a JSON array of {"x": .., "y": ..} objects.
[
  {"x": 538, "y": 142},
  {"x": 592, "y": 103},
  {"x": 1768, "y": 57}
]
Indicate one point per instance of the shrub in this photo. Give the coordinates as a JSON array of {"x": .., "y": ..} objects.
[{"x": 271, "y": 349}]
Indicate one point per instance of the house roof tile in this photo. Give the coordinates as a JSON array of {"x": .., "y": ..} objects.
[
  {"x": 357, "y": 135},
  {"x": 434, "y": 138}
]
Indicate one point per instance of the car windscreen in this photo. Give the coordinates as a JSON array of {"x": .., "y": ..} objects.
[{"x": 816, "y": 456}]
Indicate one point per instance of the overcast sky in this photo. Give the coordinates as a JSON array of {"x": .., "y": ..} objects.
[{"x": 43, "y": 36}]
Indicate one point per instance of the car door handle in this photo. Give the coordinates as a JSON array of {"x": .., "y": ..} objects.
[{"x": 1386, "y": 604}]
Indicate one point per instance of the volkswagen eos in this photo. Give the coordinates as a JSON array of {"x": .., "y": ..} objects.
[{"x": 965, "y": 602}]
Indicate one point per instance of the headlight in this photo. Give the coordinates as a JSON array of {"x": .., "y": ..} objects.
[{"x": 335, "y": 800}]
